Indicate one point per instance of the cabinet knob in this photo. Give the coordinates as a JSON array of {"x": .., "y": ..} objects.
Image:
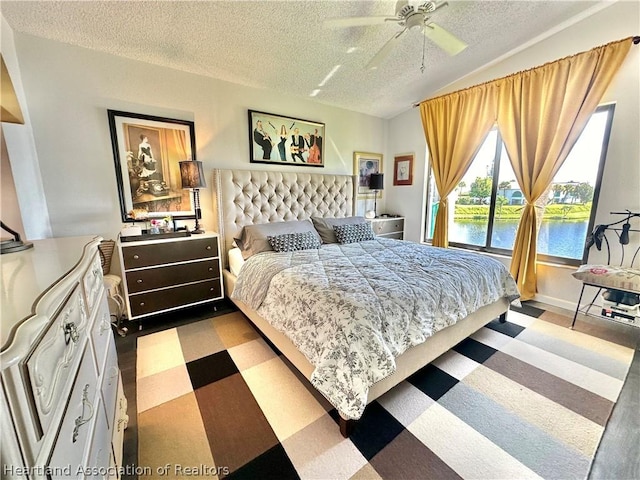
[
  {"x": 139, "y": 280},
  {"x": 136, "y": 257},
  {"x": 208, "y": 247},
  {"x": 142, "y": 304},
  {"x": 211, "y": 269},
  {"x": 211, "y": 289}
]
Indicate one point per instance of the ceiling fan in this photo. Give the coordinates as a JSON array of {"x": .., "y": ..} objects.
[{"x": 408, "y": 15}]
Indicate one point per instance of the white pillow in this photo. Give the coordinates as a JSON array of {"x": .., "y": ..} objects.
[
  {"x": 235, "y": 261},
  {"x": 610, "y": 276}
]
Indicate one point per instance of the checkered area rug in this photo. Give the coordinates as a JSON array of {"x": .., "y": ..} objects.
[{"x": 525, "y": 399}]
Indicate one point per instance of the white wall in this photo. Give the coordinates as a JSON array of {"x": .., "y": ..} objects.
[
  {"x": 621, "y": 180},
  {"x": 69, "y": 90},
  {"x": 20, "y": 147}
]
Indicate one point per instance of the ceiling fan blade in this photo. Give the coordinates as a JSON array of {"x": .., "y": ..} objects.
[
  {"x": 445, "y": 40},
  {"x": 384, "y": 51},
  {"x": 356, "y": 21},
  {"x": 400, "y": 4}
]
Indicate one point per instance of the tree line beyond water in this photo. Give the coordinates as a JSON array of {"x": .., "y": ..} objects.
[{"x": 555, "y": 211}]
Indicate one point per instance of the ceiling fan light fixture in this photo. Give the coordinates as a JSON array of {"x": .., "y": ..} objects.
[{"x": 409, "y": 14}]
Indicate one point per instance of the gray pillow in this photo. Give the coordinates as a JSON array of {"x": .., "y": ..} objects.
[
  {"x": 358, "y": 232},
  {"x": 253, "y": 238},
  {"x": 324, "y": 226},
  {"x": 290, "y": 242}
]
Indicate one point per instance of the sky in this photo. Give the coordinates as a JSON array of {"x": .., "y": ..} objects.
[{"x": 580, "y": 166}]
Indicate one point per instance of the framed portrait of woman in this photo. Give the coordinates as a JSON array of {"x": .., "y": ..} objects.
[{"x": 146, "y": 152}]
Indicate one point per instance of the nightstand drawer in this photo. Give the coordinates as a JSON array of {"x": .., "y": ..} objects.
[
  {"x": 159, "y": 253},
  {"x": 150, "y": 279},
  {"x": 380, "y": 227},
  {"x": 168, "y": 298},
  {"x": 394, "y": 235}
]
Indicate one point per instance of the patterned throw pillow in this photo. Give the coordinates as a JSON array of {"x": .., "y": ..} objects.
[
  {"x": 290, "y": 242},
  {"x": 356, "y": 232}
]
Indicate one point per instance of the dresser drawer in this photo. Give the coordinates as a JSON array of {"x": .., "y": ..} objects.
[
  {"x": 77, "y": 423},
  {"x": 136, "y": 256},
  {"x": 110, "y": 382},
  {"x": 149, "y": 279},
  {"x": 395, "y": 235},
  {"x": 121, "y": 420},
  {"x": 49, "y": 365},
  {"x": 92, "y": 283},
  {"x": 99, "y": 458},
  {"x": 101, "y": 333},
  {"x": 168, "y": 298},
  {"x": 388, "y": 226}
]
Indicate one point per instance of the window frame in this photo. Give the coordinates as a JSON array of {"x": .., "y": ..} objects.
[{"x": 487, "y": 248}]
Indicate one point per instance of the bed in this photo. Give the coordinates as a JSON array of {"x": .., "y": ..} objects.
[{"x": 265, "y": 199}]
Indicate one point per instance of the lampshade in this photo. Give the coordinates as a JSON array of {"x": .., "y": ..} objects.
[
  {"x": 192, "y": 174},
  {"x": 376, "y": 181}
]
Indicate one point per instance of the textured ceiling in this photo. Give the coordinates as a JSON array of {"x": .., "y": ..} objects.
[{"x": 283, "y": 46}]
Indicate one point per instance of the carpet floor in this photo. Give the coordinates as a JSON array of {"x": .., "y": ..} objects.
[{"x": 525, "y": 399}]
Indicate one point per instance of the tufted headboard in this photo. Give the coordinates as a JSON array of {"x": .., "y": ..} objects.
[{"x": 246, "y": 197}]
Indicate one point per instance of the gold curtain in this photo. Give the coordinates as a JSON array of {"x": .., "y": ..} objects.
[
  {"x": 455, "y": 126},
  {"x": 541, "y": 114}
]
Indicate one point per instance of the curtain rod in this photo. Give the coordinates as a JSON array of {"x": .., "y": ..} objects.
[{"x": 635, "y": 40}]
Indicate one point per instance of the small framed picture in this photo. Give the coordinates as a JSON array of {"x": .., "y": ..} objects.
[
  {"x": 403, "y": 169},
  {"x": 147, "y": 151},
  {"x": 280, "y": 140},
  {"x": 364, "y": 164}
]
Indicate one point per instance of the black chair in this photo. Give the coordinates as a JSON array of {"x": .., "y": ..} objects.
[{"x": 617, "y": 277}]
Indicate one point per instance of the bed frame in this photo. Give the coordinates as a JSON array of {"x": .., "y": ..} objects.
[{"x": 246, "y": 197}]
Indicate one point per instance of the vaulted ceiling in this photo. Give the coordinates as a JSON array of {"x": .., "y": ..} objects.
[{"x": 284, "y": 46}]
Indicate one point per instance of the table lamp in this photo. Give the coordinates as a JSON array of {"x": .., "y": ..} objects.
[
  {"x": 192, "y": 176},
  {"x": 376, "y": 183}
]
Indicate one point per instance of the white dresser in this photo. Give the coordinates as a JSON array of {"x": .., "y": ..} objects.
[{"x": 62, "y": 407}]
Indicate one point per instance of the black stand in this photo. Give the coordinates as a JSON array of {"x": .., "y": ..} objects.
[
  {"x": 375, "y": 203},
  {"x": 15, "y": 245},
  {"x": 196, "y": 207}
]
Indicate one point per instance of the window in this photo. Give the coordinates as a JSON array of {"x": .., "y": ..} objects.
[{"x": 487, "y": 202}]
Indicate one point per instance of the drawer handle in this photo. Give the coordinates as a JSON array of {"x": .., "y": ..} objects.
[
  {"x": 211, "y": 269},
  {"x": 139, "y": 280},
  {"x": 81, "y": 420},
  {"x": 208, "y": 247},
  {"x": 124, "y": 421},
  {"x": 136, "y": 257},
  {"x": 142, "y": 304},
  {"x": 70, "y": 333},
  {"x": 105, "y": 324}
]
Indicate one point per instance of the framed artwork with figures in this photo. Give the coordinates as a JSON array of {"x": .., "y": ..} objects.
[
  {"x": 147, "y": 151},
  {"x": 364, "y": 164},
  {"x": 403, "y": 169},
  {"x": 281, "y": 140}
]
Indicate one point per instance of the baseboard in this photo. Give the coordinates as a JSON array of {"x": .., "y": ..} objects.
[{"x": 556, "y": 302}]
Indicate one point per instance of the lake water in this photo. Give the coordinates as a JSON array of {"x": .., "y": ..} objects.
[{"x": 558, "y": 238}]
